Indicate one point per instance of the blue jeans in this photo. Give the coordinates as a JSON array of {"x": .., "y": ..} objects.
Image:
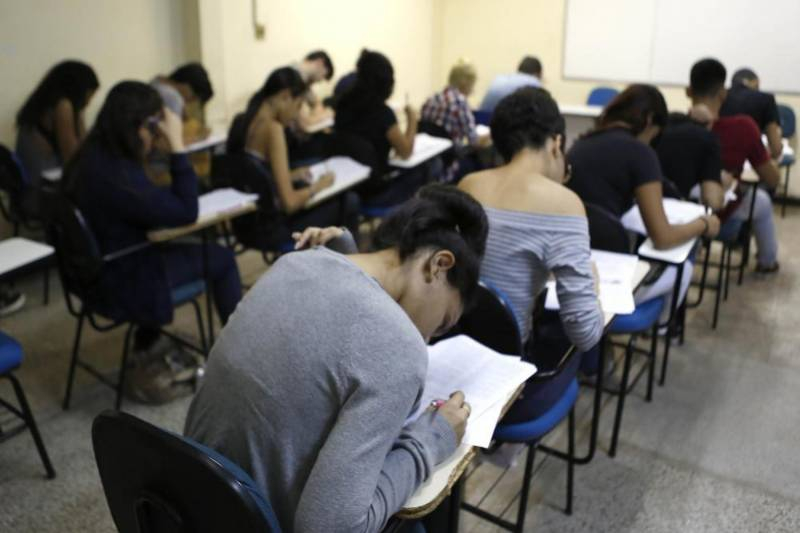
[{"x": 763, "y": 225}]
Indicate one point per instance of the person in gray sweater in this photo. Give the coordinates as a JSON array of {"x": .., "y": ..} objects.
[{"x": 312, "y": 379}]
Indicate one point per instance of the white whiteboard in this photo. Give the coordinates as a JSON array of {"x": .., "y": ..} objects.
[{"x": 657, "y": 41}]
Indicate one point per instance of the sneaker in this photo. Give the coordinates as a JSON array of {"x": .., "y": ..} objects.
[
  {"x": 11, "y": 301},
  {"x": 768, "y": 269}
]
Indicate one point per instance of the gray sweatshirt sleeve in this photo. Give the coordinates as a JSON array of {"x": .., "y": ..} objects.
[
  {"x": 345, "y": 244},
  {"x": 570, "y": 261},
  {"x": 357, "y": 484}
]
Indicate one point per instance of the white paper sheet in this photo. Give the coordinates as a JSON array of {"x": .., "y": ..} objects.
[
  {"x": 484, "y": 376},
  {"x": 482, "y": 129},
  {"x": 223, "y": 200},
  {"x": 347, "y": 173},
  {"x": 425, "y": 147},
  {"x": 677, "y": 211},
  {"x": 615, "y": 273}
]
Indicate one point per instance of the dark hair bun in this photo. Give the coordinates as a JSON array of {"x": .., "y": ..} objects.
[{"x": 440, "y": 217}]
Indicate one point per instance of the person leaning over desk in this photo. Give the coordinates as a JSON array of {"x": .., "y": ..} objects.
[{"x": 309, "y": 385}]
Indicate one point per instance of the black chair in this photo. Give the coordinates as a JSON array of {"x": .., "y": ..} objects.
[
  {"x": 607, "y": 233},
  {"x": 81, "y": 266},
  {"x": 492, "y": 322},
  {"x": 435, "y": 130},
  {"x": 158, "y": 482}
]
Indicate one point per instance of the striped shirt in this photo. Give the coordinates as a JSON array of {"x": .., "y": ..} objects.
[{"x": 521, "y": 252}]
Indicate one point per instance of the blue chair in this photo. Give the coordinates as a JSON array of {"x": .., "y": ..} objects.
[
  {"x": 601, "y": 96},
  {"x": 788, "y": 128},
  {"x": 80, "y": 266},
  {"x": 607, "y": 233},
  {"x": 10, "y": 359},
  {"x": 492, "y": 322},
  {"x": 482, "y": 117},
  {"x": 158, "y": 482}
]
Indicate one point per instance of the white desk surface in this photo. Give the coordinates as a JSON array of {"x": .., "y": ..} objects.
[
  {"x": 323, "y": 124},
  {"x": 210, "y": 219},
  {"x": 348, "y": 175},
  {"x": 673, "y": 256},
  {"x": 52, "y": 174},
  {"x": 425, "y": 147},
  {"x": 215, "y": 138},
  {"x": 581, "y": 110},
  {"x": 17, "y": 252},
  {"x": 642, "y": 268}
]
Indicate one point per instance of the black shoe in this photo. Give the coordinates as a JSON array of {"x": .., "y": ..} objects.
[
  {"x": 11, "y": 301},
  {"x": 768, "y": 269}
]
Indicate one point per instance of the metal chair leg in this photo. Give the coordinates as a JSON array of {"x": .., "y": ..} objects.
[
  {"x": 718, "y": 290},
  {"x": 46, "y": 286},
  {"x": 526, "y": 485},
  {"x": 623, "y": 391},
  {"x": 571, "y": 459},
  {"x": 785, "y": 192},
  {"x": 124, "y": 367},
  {"x": 74, "y": 361},
  {"x": 200, "y": 329},
  {"x": 728, "y": 268},
  {"x": 651, "y": 371},
  {"x": 31, "y": 423}
]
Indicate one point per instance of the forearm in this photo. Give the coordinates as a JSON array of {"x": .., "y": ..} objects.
[{"x": 676, "y": 234}]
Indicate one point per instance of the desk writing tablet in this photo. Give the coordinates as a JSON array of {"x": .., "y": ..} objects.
[
  {"x": 347, "y": 171},
  {"x": 215, "y": 207},
  {"x": 642, "y": 269},
  {"x": 425, "y": 147},
  {"x": 673, "y": 256},
  {"x": 18, "y": 252},
  {"x": 320, "y": 125},
  {"x": 214, "y": 139}
]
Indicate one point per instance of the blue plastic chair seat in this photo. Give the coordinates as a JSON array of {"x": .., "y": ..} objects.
[
  {"x": 645, "y": 315},
  {"x": 787, "y": 160},
  {"x": 600, "y": 96},
  {"x": 541, "y": 426},
  {"x": 10, "y": 354},
  {"x": 375, "y": 211},
  {"x": 187, "y": 292},
  {"x": 482, "y": 117}
]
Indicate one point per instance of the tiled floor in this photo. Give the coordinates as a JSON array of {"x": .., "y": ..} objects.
[{"x": 715, "y": 451}]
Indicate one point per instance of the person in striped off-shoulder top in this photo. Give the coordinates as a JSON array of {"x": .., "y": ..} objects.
[{"x": 537, "y": 227}]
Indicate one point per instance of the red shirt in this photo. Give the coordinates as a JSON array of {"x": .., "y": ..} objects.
[{"x": 740, "y": 140}]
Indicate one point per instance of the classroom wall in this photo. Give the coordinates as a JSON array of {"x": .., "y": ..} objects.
[
  {"x": 401, "y": 29},
  {"x": 119, "y": 38},
  {"x": 495, "y": 35}
]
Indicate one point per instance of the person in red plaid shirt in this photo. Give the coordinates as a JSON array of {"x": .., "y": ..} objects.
[{"x": 450, "y": 110}]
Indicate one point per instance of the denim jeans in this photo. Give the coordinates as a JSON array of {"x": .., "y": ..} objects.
[{"x": 763, "y": 225}]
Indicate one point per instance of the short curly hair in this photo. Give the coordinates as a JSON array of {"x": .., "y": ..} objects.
[{"x": 525, "y": 119}]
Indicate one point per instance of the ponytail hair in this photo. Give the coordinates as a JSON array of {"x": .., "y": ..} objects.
[{"x": 440, "y": 217}]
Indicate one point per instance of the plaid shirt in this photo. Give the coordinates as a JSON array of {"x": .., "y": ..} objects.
[{"x": 450, "y": 110}]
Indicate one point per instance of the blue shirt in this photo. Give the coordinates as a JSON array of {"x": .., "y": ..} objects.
[{"x": 505, "y": 84}]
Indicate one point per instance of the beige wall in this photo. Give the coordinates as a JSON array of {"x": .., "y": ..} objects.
[
  {"x": 401, "y": 29},
  {"x": 495, "y": 35},
  {"x": 119, "y": 38}
]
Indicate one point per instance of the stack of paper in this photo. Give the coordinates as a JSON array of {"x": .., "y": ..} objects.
[
  {"x": 615, "y": 273},
  {"x": 223, "y": 201},
  {"x": 677, "y": 211},
  {"x": 486, "y": 378},
  {"x": 482, "y": 129}
]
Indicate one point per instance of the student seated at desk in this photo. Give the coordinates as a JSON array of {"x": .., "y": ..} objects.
[
  {"x": 314, "y": 68},
  {"x": 260, "y": 133},
  {"x": 537, "y": 226},
  {"x": 107, "y": 181},
  {"x": 746, "y": 98},
  {"x": 309, "y": 385},
  {"x": 615, "y": 166},
  {"x": 449, "y": 109},
  {"x": 529, "y": 74},
  {"x": 186, "y": 92},
  {"x": 689, "y": 154},
  {"x": 50, "y": 125},
  {"x": 740, "y": 140},
  {"x": 362, "y": 111}
]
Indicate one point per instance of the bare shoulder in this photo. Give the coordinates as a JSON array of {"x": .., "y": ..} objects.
[
  {"x": 472, "y": 181},
  {"x": 572, "y": 203}
]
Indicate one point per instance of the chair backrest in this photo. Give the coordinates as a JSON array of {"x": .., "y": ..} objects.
[
  {"x": 157, "y": 482},
  {"x": 606, "y": 231},
  {"x": 12, "y": 183},
  {"x": 80, "y": 261},
  {"x": 491, "y": 321},
  {"x": 435, "y": 130},
  {"x": 352, "y": 145},
  {"x": 787, "y": 118},
  {"x": 601, "y": 96},
  {"x": 482, "y": 117}
]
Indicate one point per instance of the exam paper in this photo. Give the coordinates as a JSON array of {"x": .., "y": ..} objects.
[
  {"x": 223, "y": 200},
  {"x": 484, "y": 376},
  {"x": 615, "y": 273},
  {"x": 677, "y": 211},
  {"x": 343, "y": 168}
]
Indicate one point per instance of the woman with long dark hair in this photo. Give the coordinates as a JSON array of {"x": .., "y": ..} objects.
[
  {"x": 362, "y": 111},
  {"x": 50, "y": 125},
  {"x": 260, "y": 133},
  {"x": 615, "y": 166},
  {"x": 107, "y": 180}
]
